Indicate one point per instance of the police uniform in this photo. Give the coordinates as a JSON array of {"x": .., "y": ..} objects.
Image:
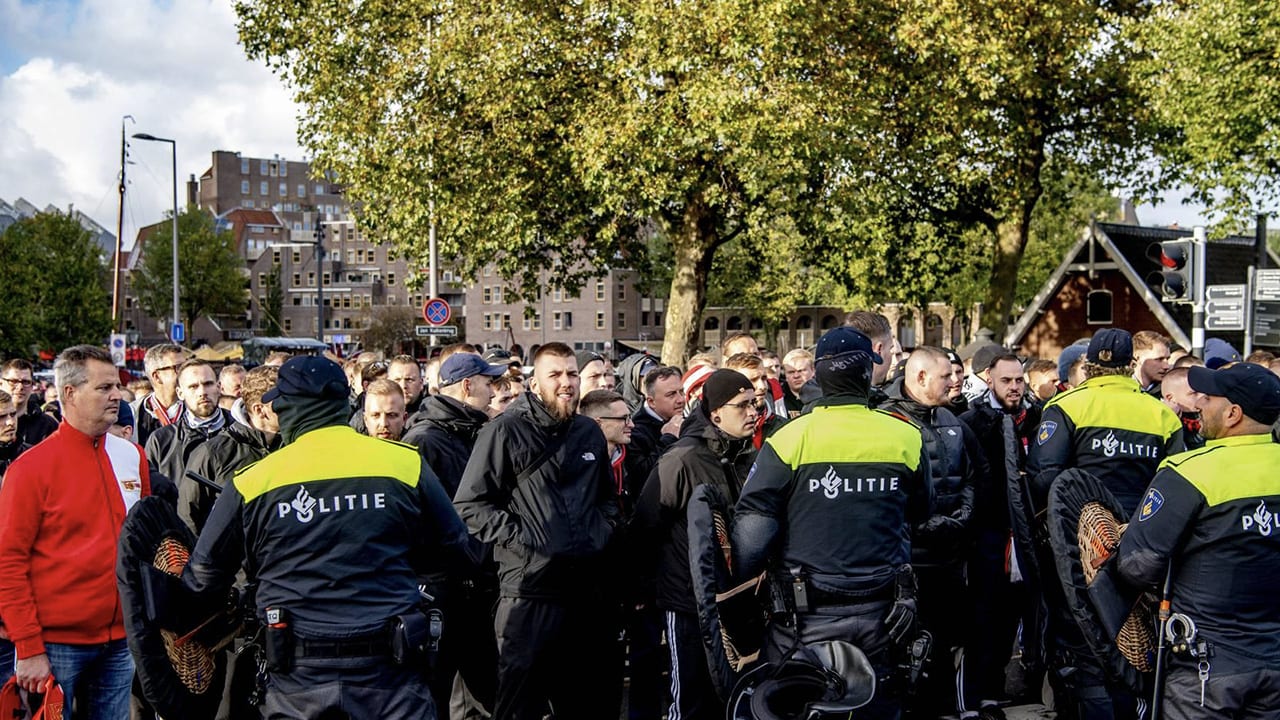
[
  {"x": 332, "y": 526},
  {"x": 1211, "y": 513},
  {"x": 828, "y": 503},
  {"x": 1109, "y": 428}
]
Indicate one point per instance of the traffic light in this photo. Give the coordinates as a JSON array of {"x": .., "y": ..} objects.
[
  {"x": 319, "y": 233},
  {"x": 1176, "y": 277}
]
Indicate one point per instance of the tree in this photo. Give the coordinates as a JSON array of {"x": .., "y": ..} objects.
[
  {"x": 211, "y": 280},
  {"x": 1213, "y": 75},
  {"x": 55, "y": 291},
  {"x": 387, "y": 327}
]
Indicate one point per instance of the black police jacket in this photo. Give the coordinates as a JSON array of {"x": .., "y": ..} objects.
[
  {"x": 703, "y": 456},
  {"x": 218, "y": 459},
  {"x": 333, "y": 526},
  {"x": 549, "y": 528},
  {"x": 955, "y": 464},
  {"x": 444, "y": 431}
]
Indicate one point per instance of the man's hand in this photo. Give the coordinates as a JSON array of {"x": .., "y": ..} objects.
[
  {"x": 672, "y": 426},
  {"x": 32, "y": 672}
]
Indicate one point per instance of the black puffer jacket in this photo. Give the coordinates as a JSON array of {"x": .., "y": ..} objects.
[
  {"x": 169, "y": 448},
  {"x": 218, "y": 459},
  {"x": 703, "y": 455},
  {"x": 445, "y": 431},
  {"x": 1005, "y": 449},
  {"x": 548, "y": 529},
  {"x": 954, "y": 460}
]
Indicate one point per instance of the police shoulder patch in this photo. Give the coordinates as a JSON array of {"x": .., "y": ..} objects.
[
  {"x": 1151, "y": 504},
  {"x": 1047, "y": 428}
]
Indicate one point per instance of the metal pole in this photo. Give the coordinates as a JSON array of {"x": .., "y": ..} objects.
[
  {"x": 319, "y": 279},
  {"x": 1199, "y": 238},
  {"x": 433, "y": 286},
  {"x": 1260, "y": 241},
  {"x": 1248, "y": 312},
  {"x": 115, "y": 270}
]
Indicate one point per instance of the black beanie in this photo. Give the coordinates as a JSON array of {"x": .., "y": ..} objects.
[{"x": 721, "y": 387}]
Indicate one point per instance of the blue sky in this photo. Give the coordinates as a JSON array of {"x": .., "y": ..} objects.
[{"x": 71, "y": 69}]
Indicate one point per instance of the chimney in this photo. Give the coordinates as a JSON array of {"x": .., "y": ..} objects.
[{"x": 193, "y": 190}]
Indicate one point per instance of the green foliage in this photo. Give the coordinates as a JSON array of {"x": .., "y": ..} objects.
[
  {"x": 1213, "y": 74},
  {"x": 211, "y": 280},
  {"x": 388, "y": 328},
  {"x": 1071, "y": 198},
  {"x": 56, "y": 287}
]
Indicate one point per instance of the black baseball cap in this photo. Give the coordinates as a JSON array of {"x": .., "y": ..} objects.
[
  {"x": 460, "y": 366},
  {"x": 309, "y": 376},
  {"x": 1110, "y": 347},
  {"x": 1254, "y": 388}
]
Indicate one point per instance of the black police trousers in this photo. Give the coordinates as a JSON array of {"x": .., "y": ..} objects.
[
  {"x": 863, "y": 626},
  {"x": 558, "y": 657},
  {"x": 356, "y": 688},
  {"x": 1237, "y": 687}
]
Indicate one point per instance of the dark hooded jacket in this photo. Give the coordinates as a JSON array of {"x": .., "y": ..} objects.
[
  {"x": 445, "y": 431},
  {"x": 218, "y": 460},
  {"x": 703, "y": 455},
  {"x": 648, "y": 443},
  {"x": 35, "y": 426},
  {"x": 955, "y": 459},
  {"x": 541, "y": 492},
  {"x": 169, "y": 449}
]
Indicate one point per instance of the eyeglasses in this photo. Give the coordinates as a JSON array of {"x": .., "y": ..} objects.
[
  {"x": 166, "y": 367},
  {"x": 17, "y": 382},
  {"x": 743, "y": 405},
  {"x": 624, "y": 418}
]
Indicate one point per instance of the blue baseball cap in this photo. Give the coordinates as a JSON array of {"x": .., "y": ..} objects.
[
  {"x": 844, "y": 339},
  {"x": 1254, "y": 388},
  {"x": 460, "y": 366},
  {"x": 309, "y": 376},
  {"x": 1110, "y": 347},
  {"x": 1219, "y": 352}
]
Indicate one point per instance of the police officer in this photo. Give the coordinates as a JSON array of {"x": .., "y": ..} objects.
[
  {"x": 832, "y": 514},
  {"x": 332, "y": 526},
  {"x": 1210, "y": 512},
  {"x": 1108, "y": 427}
]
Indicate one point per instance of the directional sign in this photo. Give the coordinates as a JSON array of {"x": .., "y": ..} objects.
[
  {"x": 1266, "y": 323},
  {"x": 117, "y": 349},
  {"x": 427, "y": 330},
  {"x": 436, "y": 311},
  {"x": 1266, "y": 285},
  {"x": 177, "y": 332},
  {"x": 1225, "y": 292}
]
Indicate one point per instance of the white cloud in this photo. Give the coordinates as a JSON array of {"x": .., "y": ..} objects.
[{"x": 176, "y": 67}]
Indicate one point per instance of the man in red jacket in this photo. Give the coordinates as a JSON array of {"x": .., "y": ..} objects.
[{"x": 61, "y": 508}]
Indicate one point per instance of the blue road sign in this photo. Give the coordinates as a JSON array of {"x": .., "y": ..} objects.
[
  {"x": 177, "y": 332},
  {"x": 436, "y": 311}
]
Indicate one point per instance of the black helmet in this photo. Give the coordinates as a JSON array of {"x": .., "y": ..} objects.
[{"x": 825, "y": 680}]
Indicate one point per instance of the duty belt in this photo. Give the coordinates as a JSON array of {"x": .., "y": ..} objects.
[{"x": 374, "y": 645}]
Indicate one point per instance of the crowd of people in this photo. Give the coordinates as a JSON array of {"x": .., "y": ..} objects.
[{"x": 495, "y": 534}]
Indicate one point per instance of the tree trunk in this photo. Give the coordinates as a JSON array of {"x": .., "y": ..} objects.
[
  {"x": 1011, "y": 239},
  {"x": 693, "y": 246}
]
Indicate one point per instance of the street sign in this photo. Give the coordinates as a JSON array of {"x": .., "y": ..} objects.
[
  {"x": 117, "y": 349},
  {"x": 1266, "y": 323},
  {"x": 1225, "y": 292},
  {"x": 1266, "y": 285},
  {"x": 177, "y": 332},
  {"x": 436, "y": 311},
  {"x": 428, "y": 330},
  {"x": 1224, "y": 309}
]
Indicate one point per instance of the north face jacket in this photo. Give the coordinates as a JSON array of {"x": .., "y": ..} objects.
[{"x": 550, "y": 527}]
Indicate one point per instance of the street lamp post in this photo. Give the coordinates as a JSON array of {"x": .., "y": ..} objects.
[{"x": 174, "y": 143}]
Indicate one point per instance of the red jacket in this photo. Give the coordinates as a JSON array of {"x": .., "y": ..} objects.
[{"x": 61, "y": 507}]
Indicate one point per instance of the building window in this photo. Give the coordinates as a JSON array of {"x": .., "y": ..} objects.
[
  {"x": 264, "y": 167},
  {"x": 557, "y": 321},
  {"x": 488, "y": 271},
  {"x": 447, "y": 276},
  {"x": 262, "y": 188},
  {"x": 319, "y": 189},
  {"x": 644, "y": 318},
  {"x": 486, "y": 295},
  {"x": 622, "y": 321},
  {"x": 657, "y": 319},
  {"x": 275, "y": 257},
  {"x": 351, "y": 256},
  {"x": 526, "y": 322},
  {"x": 346, "y": 302},
  {"x": 368, "y": 300},
  {"x": 537, "y": 320},
  {"x": 488, "y": 321},
  {"x": 288, "y": 324},
  {"x": 297, "y": 280},
  {"x": 262, "y": 277},
  {"x": 568, "y": 321},
  {"x": 284, "y": 189},
  {"x": 326, "y": 279},
  {"x": 622, "y": 290},
  {"x": 599, "y": 291},
  {"x": 391, "y": 278},
  {"x": 506, "y": 321},
  {"x": 557, "y": 295},
  {"x": 244, "y": 187},
  {"x": 599, "y": 319},
  {"x": 248, "y": 204},
  {"x": 244, "y": 166},
  {"x": 296, "y": 256},
  {"x": 284, "y": 168},
  {"x": 311, "y": 279},
  {"x": 393, "y": 299}
]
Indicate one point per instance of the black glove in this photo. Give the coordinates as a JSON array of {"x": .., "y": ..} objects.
[
  {"x": 941, "y": 527},
  {"x": 902, "y": 616}
]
